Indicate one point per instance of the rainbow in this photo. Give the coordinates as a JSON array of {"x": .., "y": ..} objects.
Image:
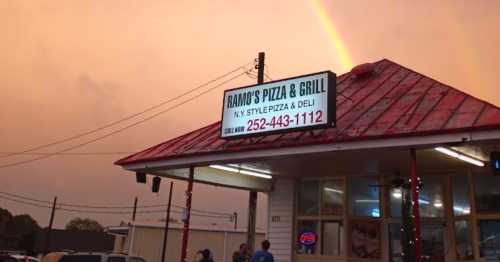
[{"x": 339, "y": 46}]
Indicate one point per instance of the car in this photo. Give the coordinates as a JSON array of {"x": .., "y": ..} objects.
[
  {"x": 17, "y": 258},
  {"x": 99, "y": 257}
]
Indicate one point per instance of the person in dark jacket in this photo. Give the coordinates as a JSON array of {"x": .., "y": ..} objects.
[
  {"x": 263, "y": 255},
  {"x": 242, "y": 255},
  {"x": 206, "y": 256}
]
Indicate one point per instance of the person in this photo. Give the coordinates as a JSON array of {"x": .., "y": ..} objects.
[
  {"x": 263, "y": 255},
  {"x": 206, "y": 255},
  {"x": 242, "y": 254}
]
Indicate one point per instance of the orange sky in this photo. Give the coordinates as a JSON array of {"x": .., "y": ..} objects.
[{"x": 70, "y": 66}]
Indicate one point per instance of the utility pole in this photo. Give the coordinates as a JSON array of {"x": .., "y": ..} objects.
[
  {"x": 135, "y": 209},
  {"x": 167, "y": 220},
  {"x": 252, "y": 198},
  {"x": 49, "y": 229},
  {"x": 185, "y": 235}
]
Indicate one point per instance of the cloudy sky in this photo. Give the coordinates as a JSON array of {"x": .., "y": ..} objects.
[{"x": 70, "y": 66}]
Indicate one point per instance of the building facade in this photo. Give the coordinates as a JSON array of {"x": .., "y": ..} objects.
[{"x": 401, "y": 142}]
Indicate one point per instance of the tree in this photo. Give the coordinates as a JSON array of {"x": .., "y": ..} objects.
[
  {"x": 84, "y": 224},
  {"x": 17, "y": 232}
]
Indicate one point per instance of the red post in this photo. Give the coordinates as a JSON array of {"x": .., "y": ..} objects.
[
  {"x": 185, "y": 234},
  {"x": 416, "y": 215}
]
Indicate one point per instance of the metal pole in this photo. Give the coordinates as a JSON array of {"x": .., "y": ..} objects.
[
  {"x": 185, "y": 234},
  {"x": 49, "y": 229},
  {"x": 260, "y": 68},
  {"x": 167, "y": 220},
  {"x": 135, "y": 209},
  {"x": 414, "y": 181}
]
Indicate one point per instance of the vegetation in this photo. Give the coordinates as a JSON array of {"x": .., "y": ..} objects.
[
  {"x": 17, "y": 232},
  {"x": 84, "y": 224}
]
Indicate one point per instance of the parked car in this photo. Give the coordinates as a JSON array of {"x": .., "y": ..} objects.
[
  {"x": 99, "y": 257},
  {"x": 17, "y": 258}
]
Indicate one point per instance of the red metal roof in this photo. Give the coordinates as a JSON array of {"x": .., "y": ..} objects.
[{"x": 393, "y": 102}]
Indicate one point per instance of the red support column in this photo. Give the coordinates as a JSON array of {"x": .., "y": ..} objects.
[
  {"x": 414, "y": 179},
  {"x": 185, "y": 234}
]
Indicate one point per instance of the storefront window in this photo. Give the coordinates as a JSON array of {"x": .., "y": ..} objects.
[
  {"x": 461, "y": 203},
  {"x": 332, "y": 238},
  {"x": 463, "y": 240},
  {"x": 333, "y": 197},
  {"x": 489, "y": 237},
  {"x": 430, "y": 199},
  {"x": 308, "y": 197},
  {"x": 433, "y": 243},
  {"x": 487, "y": 190},
  {"x": 395, "y": 249},
  {"x": 307, "y": 236},
  {"x": 364, "y": 197},
  {"x": 365, "y": 239}
]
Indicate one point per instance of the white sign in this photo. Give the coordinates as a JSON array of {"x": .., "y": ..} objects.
[{"x": 302, "y": 102}]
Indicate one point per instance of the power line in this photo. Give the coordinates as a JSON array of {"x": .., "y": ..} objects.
[
  {"x": 80, "y": 206},
  {"x": 105, "y": 212},
  {"x": 129, "y": 116},
  {"x": 69, "y": 153},
  {"x": 121, "y": 129}
]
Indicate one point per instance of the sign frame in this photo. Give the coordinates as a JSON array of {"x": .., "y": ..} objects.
[{"x": 331, "y": 107}]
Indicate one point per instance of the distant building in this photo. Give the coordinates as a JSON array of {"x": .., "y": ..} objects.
[
  {"x": 146, "y": 240},
  {"x": 74, "y": 240}
]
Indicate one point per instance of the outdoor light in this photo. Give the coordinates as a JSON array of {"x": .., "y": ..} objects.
[
  {"x": 333, "y": 190},
  {"x": 140, "y": 177},
  {"x": 156, "y": 184},
  {"x": 460, "y": 156},
  {"x": 397, "y": 193},
  {"x": 241, "y": 171},
  {"x": 438, "y": 204}
]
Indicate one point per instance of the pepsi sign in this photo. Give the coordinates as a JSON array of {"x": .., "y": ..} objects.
[{"x": 308, "y": 238}]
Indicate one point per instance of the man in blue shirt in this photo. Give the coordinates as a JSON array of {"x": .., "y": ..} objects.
[{"x": 263, "y": 255}]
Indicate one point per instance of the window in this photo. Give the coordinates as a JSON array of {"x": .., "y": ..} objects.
[
  {"x": 332, "y": 238},
  {"x": 489, "y": 237},
  {"x": 307, "y": 228},
  {"x": 365, "y": 239},
  {"x": 137, "y": 259},
  {"x": 430, "y": 199},
  {"x": 364, "y": 197},
  {"x": 395, "y": 249},
  {"x": 461, "y": 204},
  {"x": 433, "y": 243},
  {"x": 308, "y": 197},
  {"x": 333, "y": 197},
  {"x": 463, "y": 240},
  {"x": 487, "y": 190}
]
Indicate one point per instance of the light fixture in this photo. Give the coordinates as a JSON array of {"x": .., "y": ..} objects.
[
  {"x": 397, "y": 193},
  {"x": 460, "y": 156},
  {"x": 366, "y": 201},
  {"x": 329, "y": 189},
  {"x": 241, "y": 171},
  {"x": 438, "y": 204},
  {"x": 246, "y": 167}
]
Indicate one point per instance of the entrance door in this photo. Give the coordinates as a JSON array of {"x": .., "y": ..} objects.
[{"x": 433, "y": 243}]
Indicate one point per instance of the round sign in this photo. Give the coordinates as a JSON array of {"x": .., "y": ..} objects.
[{"x": 308, "y": 238}]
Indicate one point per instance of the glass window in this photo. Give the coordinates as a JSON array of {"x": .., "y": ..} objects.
[
  {"x": 80, "y": 258},
  {"x": 308, "y": 197},
  {"x": 430, "y": 199},
  {"x": 333, "y": 197},
  {"x": 136, "y": 259},
  {"x": 487, "y": 190},
  {"x": 461, "y": 204},
  {"x": 332, "y": 238},
  {"x": 364, "y": 197},
  {"x": 463, "y": 240},
  {"x": 307, "y": 236},
  {"x": 489, "y": 237},
  {"x": 365, "y": 239},
  {"x": 395, "y": 249},
  {"x": 433, "y": 243}
]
